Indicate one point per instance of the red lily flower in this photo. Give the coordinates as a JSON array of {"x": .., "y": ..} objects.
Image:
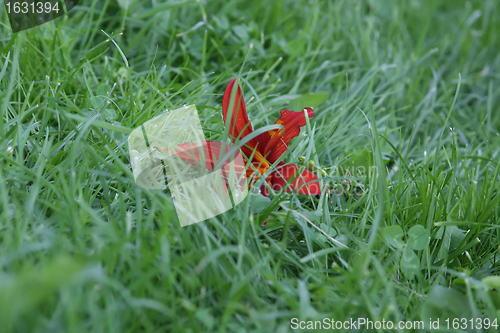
[
  {"x": 263, "y": 150},
  {"x": 266, "y": 148}
]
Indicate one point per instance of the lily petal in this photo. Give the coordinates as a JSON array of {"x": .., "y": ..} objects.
[
  {"x": 264, "y": 191},
  {"x": 305, "y": 183},
  {"x": 207, "y": 155},
  {"x": 276, "y": 141},
  {"x": 239, "y": 125}
]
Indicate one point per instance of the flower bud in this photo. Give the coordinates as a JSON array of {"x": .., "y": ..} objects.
[{"x": 311, "y": 166}]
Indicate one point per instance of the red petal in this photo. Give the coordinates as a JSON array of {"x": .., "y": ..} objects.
[
  {"x": 306, "y": 183},
  {"x": 264, "y": 191},
  {"x": 240, "y": 125},
  {"x": 276, "y": 141},
  {"x": 210, "y": 154}
]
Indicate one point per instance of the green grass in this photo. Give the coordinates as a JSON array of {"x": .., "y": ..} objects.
[{"x": 413, "y": 89}]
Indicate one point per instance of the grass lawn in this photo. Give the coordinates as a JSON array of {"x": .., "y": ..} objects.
[{"x": 405, "y": 95}]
